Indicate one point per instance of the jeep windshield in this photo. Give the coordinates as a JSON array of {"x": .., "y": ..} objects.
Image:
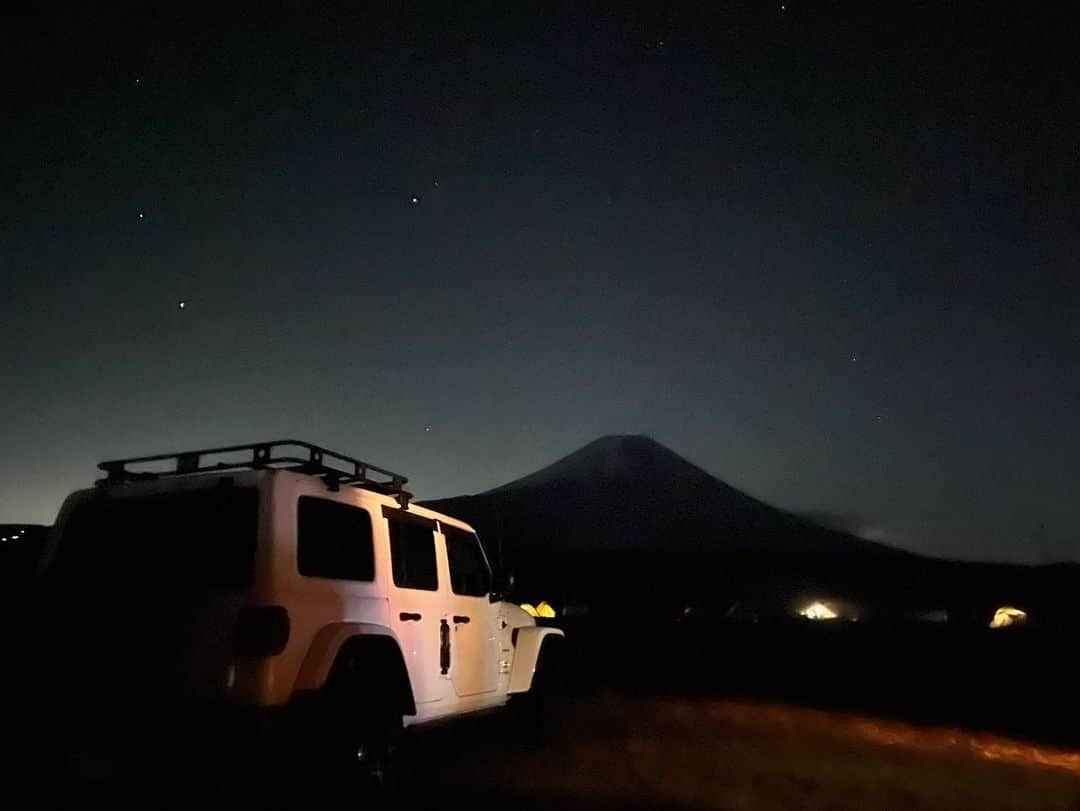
[{"x": 191, "y": 540}]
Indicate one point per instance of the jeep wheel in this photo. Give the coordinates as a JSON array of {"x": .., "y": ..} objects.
[
  {"x": 362, "y": 726},
  {"x": 538, "y": 711}
]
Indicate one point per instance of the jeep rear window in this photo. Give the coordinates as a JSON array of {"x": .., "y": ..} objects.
[
  {"x": 412, "y": 555},
  {"x": 333, "y": 540},
  {"x": 192, "y": 540}
]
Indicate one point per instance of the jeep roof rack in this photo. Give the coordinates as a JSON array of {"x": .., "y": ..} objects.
[{"x": 281, "y": 454}]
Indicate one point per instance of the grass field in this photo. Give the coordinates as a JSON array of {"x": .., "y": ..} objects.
[{"x": 620, "y": 752}]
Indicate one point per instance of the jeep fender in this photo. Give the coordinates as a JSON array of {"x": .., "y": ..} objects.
[
  {"x": 324, "y": 650},
  {"x": 530, "y": 639}
]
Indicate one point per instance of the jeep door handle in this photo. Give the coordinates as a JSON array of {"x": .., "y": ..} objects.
[
  {"x": 460, "y": 619},
  {"x": 405, "y": 616}
]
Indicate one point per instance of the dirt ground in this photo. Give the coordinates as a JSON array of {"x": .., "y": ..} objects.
[{"x": 614, "y": 751}]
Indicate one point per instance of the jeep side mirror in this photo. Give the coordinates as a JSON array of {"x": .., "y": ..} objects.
[{"x": 501, "y": 586}]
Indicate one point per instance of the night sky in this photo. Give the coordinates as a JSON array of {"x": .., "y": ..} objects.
[{"x": 826, "y": 251}]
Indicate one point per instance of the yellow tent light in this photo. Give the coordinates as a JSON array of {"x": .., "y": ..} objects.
[
  {"x": 542, "y": 609},
  {"x": 1008, "y": 615}
]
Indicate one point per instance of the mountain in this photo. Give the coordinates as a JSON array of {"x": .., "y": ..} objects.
[
  {"x": 627, "y": 526},
  {"x": 629, "y": 492},
  {"x": 625, "y": 513}
]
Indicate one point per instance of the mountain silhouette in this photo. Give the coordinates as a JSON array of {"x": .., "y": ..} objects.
[
  {"x": 629, "y": 492},
  {"x": 624, "y": 511}
]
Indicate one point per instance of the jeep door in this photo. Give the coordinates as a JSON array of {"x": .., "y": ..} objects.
[
  {"x": 474, "y": 644},
  {"x": 416, "y": 605}
]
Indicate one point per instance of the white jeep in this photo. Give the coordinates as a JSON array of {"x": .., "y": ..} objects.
[{"x": 282, "y": 580}]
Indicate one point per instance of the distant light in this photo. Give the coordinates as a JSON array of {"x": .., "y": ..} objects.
[
  {"x": 1008, "y": 615},
  {"x": 414, "y": 200},
  {"x": 181, "y": 304},
  {"x": 818, "y": 610},
  {"x": 141, "y": 215},
  {"x": 933, "y": 615}
]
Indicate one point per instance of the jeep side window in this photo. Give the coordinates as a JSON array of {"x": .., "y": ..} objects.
[
  {"x": 469, "y": 573},
  {"x": 412, "y": 555},
  {"x": 334, "y": 540}
]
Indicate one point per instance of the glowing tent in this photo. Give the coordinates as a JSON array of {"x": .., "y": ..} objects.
[
  {"x": 1008, "y": 615},
  {"x": 541, "y": 609},
  {"x": 818, "y": 610}
]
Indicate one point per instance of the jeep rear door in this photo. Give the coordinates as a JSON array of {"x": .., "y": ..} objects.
[{"x": 416, "y": 605}]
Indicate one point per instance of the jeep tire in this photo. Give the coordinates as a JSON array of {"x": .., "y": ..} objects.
[{"x": 360, "y": 726}]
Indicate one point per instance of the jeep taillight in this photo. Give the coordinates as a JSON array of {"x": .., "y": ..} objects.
[{"x": 261, "y": 630}]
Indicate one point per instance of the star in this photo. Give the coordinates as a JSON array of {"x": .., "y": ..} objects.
[
  {"x": 854, "y": 357},
  {"x": 181, "y": 304},
  {"x": 427, "y": 429},
  {"x": 414, "y": 199},
  {"x": 141, "y": 215}
]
